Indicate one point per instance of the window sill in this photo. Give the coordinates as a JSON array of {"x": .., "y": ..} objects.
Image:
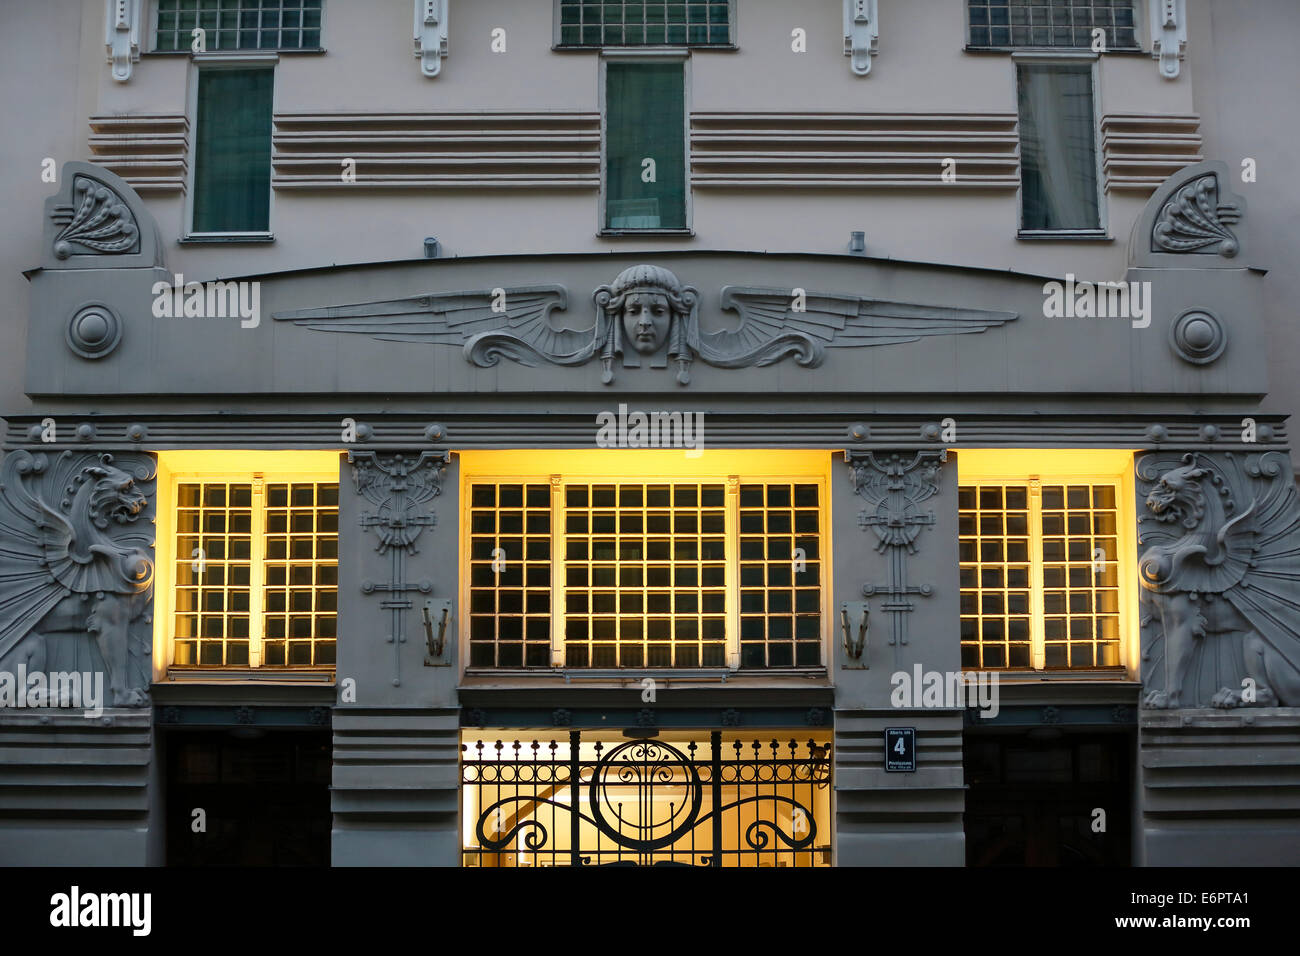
[
  {"x": 614, "y": 48},
  {"x": 617, "y": 233},
  {"x": 634, "y": 675},
  {"x": 1029, "y": 675},
  {"x": 257, "y": 675},
  {"x": 267, "y": 53},
  {"x": 196, "y": 238},
  {"x": 1050, "y": 50},
  {"x": 1074, "y": 235}
]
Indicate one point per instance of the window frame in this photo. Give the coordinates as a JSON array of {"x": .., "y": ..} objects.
[
  {"x": 165, "y": 556},
  {"x": 652, "y": 55},
  {"x": 558, "y": 47},
  {"x": 1066, "y": 58},
  {"x": 226, "y": 61},
  {"x": 558, "y": 484},
  {"x": 1139, "y": 31},
  {"x": 152, "y": 24},
  {"x": 979, "y": 473}
]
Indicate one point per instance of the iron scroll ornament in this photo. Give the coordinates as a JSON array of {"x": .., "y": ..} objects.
[{"x": 640, "y": 766}]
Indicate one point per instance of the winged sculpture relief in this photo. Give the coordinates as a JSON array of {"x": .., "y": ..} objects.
[{"x": 647, "y": 314}]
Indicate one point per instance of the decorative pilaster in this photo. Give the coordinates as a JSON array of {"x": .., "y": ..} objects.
[
  {"x": 894, "y": 484},
  {"x": 398, "y": 485}
]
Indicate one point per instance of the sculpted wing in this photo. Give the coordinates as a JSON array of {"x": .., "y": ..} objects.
[
  {"x": 771, "y": 329},
  {"x": 28, "y": 532},
  {"x": 458, "y": 318}
]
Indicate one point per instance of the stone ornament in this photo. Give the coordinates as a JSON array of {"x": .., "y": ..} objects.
[
  {"x": 1194, "y": 220},
  {"x": 1220, "y": 573},
  {"x": 76, "y": 567},
  {"x": 98, "y": 223},
  {"x": 1197, "y": 336},
  {"x": 894, "y": 484},
  {"x": 93, "y": 331},
  {"x": 400, "y": 486},
  {"x": 647, "y": 314}
]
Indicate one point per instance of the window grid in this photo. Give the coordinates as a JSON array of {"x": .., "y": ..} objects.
[
  {"x": 230, "y": 545},
  {"x": 301, "y": 574},
  {"x": 780, "y": 575},
  {"x": 645, "y": 575},
  {"x": 1039, "y": 575},
  {"x": 1056, "y": 24},
  {"x": 510, "y": 575},
  {"x": 239, "y": 24},
  {"x": 632, "y": 23}
]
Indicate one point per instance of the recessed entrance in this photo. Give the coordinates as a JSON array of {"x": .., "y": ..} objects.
[{"x": 1033, "y": 797}]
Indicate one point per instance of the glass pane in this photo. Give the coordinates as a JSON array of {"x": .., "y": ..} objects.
[
  {"x": 232, "y": 155},
  {"x": 645, "y": 151},
  {"x": 1057, "y": 149}
]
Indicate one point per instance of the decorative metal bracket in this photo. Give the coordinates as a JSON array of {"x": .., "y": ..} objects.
[
  {"x": 122, "y": 36},
  {"x": 861, "y": 34},
  {"x": 855, "y": 648},
  {"x": 431, "y": 34},
  {"x": 436, "y": 616},
  {"x": 1168, "y": 19}
]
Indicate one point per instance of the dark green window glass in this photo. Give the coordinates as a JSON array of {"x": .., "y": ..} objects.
[
  {"x": 232, "y": 154},
  {"x": 645, "y": 115},
  {"x": 1058, "y": 148}
]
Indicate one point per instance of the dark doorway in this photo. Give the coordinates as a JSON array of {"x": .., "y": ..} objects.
[
  {"x": 1032, "y": 799},
  {"x": 265, "y": 798}
]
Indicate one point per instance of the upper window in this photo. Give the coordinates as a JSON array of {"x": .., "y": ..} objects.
[
  {"x": 683, "y": 572},
  {"x": 251, "y": 569},
  {"x": 232, "y": 151},
  {"x": 626, "y": 23},
  {"x": 1058, "y": 149},
  {"x": 645, "y": 146},
  {"x": 1046, "y": 567},
  {"x": 237, "y": 25},
  {"x": 1052, "y": 23}
]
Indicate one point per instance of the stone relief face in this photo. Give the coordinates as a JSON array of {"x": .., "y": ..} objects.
[{"x": 646, "y": 316}]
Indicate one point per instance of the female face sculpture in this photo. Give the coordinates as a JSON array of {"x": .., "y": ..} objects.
[{"x": 646, "y": 317}]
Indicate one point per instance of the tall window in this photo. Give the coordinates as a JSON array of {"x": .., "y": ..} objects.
[
  {"x": 645, "y": 146},
  {"x": 248, "y": 562},
  {"x": 1058, "y": 149},
  {"x": 635, "y": 23},
  {"x": 1046, "y": 569},
  {"x": 1052, "y": 23},
  {"x": 674, "y": 573},
  {"x": 232, "y": 154},
  {"x": 237, "y": 24}
]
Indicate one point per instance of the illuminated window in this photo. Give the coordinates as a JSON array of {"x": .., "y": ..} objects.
[
  {"x": 673, "y": 573},
  {"x": 1045, "y": 577},
  {"x": 1058, "y": 24},
  {"x": 625, "y": 23},
  {"x": 237, "y": 24},
  {"x": 252, "y": 570}
]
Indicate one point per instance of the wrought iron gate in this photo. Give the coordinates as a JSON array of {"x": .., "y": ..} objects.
[{"x": 691, "y": 802}]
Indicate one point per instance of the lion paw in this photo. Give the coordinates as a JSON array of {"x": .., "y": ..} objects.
[
  {"x": 1225, "y": 698},
  {"x": 1156, "y": 699}
]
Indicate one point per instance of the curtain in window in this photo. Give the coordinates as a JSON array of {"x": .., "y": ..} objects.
[
  {"x": 645, "y": 119},
  {"x": 1057, "y": 148},
  {"x": 232, "y": 155}
]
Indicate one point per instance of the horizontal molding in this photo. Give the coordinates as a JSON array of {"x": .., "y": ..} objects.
[
  {"x": 854, "y": 149},
  {"x": 578, "y": 430},
  {"x": 461, "y": 149},
  {"x": 149, "y": 150},
  {"x": 1141, "y": 150}
]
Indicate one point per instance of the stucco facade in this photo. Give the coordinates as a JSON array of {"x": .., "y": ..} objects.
[{"x": 898, "y": 380}]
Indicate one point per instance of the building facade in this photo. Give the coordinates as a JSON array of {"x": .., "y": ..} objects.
[{"x": 726, "y": 433}]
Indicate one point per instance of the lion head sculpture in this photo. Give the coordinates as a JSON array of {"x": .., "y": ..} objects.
[{"x": 1178, "y": 496}]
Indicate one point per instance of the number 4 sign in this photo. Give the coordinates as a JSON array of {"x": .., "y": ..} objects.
[{"x": 900, "y": 749}]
